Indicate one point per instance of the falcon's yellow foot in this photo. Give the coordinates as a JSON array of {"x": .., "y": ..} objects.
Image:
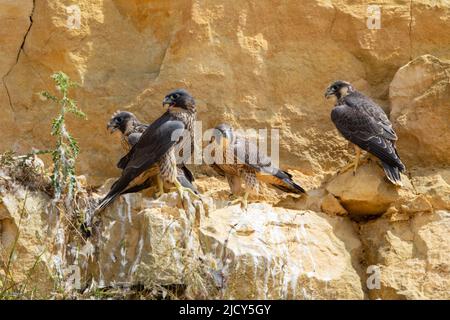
[
  {"x": 348, "y": 167},
  {"x": 242, "y": 200},
  {"x": 180, "y": 189},
  {"x": 160, "y": 191},
  {"x": 355, "y": 163}
]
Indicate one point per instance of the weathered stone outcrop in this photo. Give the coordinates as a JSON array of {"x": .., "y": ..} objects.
[
  {"x": 30, "y": 248},
  {"x": 420, "y": 111},
  {"x": 276, "y": 253},
  {"x": 263, "y": 252},
  {"x": 411, "y": 254}
]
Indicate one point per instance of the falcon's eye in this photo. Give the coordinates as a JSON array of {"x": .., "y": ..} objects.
[
  {"x": 334, "y": 88},
  {"x": 119, "y": 120}
]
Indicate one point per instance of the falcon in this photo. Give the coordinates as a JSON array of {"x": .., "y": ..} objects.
[
  {"x": 157, "y": 147},
  {"x": 131, "y": 130},
  {"x": 129, "y": 126},
  {"x": 362, "y": 122},
  {"x": 241, "y": 152}
]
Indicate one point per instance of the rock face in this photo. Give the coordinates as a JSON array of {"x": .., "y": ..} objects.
[
  {"x": 263, "y": 252},
  {"x": 14, "y": 27},
  {"x": 29, "y": 248},
  {"x": 420, "y": 103},
  {"x": 366, "y": 193},
  {"x": 255, "y": 64},
  {"x": 142, "y": 241},
  {"x": 128, "y": 53},
  {"x": 306, "y": 255},
  {"x": 412, "y": 256}
]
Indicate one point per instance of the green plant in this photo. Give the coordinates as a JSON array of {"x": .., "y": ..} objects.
[{"x": 66, "y": 149}]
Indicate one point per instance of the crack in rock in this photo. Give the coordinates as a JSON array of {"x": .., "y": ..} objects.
[
  {"x": 21, "y": 49},
  {"x": 411, "y": 19}
]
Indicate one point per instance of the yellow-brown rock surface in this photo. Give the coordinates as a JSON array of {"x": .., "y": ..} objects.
[
  {"x": 252, "y": 63},
  {"x": 412, "y": 256},
  {"x": 276, "y": 253},
  {"x": 420, "y": 111},
  {"x": 259, "y": 64}
]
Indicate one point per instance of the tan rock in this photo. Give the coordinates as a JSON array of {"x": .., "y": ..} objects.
[
  {"x": 14, "y": 25},
  {"x": 154, "y": 243},
  {"x": 412, "y": 256},
  {"x": 274, "y": 253},
  {"x": 27, "y": 247},
  {"x": 434, "y": 184},
  {"x": 331, "y": 205},
  {"x": 127, "y": 54},
  {"x": 367, "y": 192},
  {"x": 250, "y": 75},
  {"x": 147, "y": 241},
  {"x": 420, "y": 95}
]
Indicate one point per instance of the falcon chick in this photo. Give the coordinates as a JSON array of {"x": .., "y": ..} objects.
[
  {"x": 248, "y": 165},
  {"x": 129, "y": 126},
  {"x": 157, "y": 146},
  {"x": 361, "y": 121}
]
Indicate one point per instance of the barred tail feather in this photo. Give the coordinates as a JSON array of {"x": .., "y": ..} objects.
[
  {"x": 393, "y": 174},
  {"x": 185, "y": 182},
  {"x": 291, "y": 187},
  {"x": 106, "y": 202}
]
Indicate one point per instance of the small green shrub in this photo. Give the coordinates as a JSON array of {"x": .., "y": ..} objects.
[{"x": 66, "y": 149}]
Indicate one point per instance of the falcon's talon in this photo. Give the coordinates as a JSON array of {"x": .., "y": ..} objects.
[
  {"x": 160, "y": 191},
  {"x": 242, "y": 200},
  {"x": 158, "y": 194},
  {"x": 180, "y": 189}
]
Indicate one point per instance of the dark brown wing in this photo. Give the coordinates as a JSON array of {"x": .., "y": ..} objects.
[{"x": 366, "y": 105}]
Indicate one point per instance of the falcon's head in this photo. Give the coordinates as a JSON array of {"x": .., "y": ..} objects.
[
  {"x": 121, "y": 121},
  {"x": 339, "y": 89},
  {"x": 223, "y": 132},
  {"x": 179, "y": 99}
]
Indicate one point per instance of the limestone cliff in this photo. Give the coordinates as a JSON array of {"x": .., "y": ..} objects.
[{"x": 259, "y": 64}]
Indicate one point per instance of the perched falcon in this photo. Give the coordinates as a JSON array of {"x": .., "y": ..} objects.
[
  {"x": 157, "y": 146},
  {"x": 129, "y": 126},
  {"x": 131, "y": 130},
  {"x": 364, "y": 123},
  {"x": 242, "y": 167}
]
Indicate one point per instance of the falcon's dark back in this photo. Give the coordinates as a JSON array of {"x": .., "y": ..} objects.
[{"x": 365, "y": 104}]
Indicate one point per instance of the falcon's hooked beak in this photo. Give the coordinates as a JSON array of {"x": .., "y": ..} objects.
[
  {"x": 112, "y": 126},
  {"x": 168, "y": 101},
  {"x": 329, "y": 93}
]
